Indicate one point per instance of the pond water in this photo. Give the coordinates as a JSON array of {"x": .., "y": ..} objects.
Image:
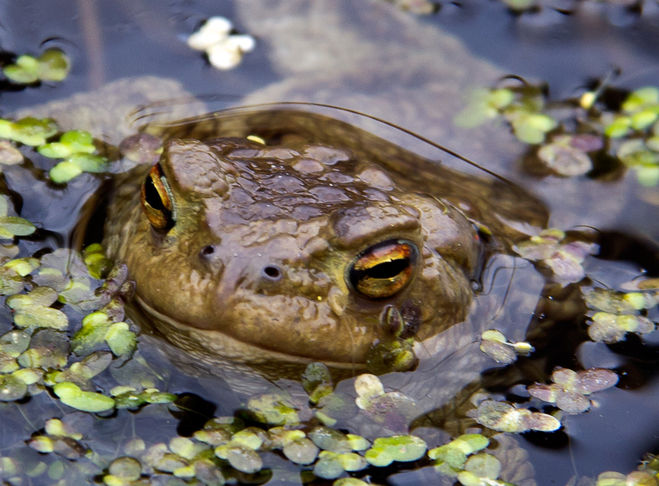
[{"x": 131, "y": 67}]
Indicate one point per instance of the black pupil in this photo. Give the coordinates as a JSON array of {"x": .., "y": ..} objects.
[
  {"x": 151, "y": 195},
  {"x": 387, "y": 269},
  {"x": 383, "y": 270}
]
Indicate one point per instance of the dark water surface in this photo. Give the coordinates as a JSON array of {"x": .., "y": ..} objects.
[{"x": 334, "y": 58}]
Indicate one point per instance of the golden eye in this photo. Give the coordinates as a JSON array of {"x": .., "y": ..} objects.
[
  {"x": 157, "y": 200},
  {"x": 383, "y": 270}
]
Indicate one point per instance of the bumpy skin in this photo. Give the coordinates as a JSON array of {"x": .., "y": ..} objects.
[
  {"x": 241, "y": 207},
  {"x": 308, "y": 208}
]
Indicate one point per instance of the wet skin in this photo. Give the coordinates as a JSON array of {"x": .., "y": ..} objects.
[{"x": 295, "y": 251}]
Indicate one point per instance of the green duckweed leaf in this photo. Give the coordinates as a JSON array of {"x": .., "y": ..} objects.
[
  {"x": 97, "y": 263},
  {"x": 54, "y": 65},
  {"x": 251, "y": 438},
  {"x": 55, "y": 150},
  {"x": 89, "y": 162},
  {"x": 24, "y": 71},
  {"x": 92, "y": 333},
  {"x": 64, "y": 172},
  {"x": 643, "y": 119},
  {"x": 32, "y": 131},
  {"x": 531, "y": 127},
  {"x": 402, "y": 448},
  {"x": 186, "y": 448},
  {"x": 15, "y": 226},
  {"x": 470, "y": 443},
  {"x": 641, "y": 98},
  {"x": 22, "y": 266},
  {"x": 71, "y": 395},
  {"x": 273, "y": 409},
  {"x": 619, "y": 127},
  {"x": 121, "y": 339}
]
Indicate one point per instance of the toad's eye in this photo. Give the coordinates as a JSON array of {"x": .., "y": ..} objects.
[
  {"x": 383, "y": 270},
  {"x": 156, "y": 198}
]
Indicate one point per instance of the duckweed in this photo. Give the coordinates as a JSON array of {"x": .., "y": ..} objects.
[
  {"x": 317, "y": 381},
  {"x": 52, "y": 65},
  {"x": 450, "y": 458},
  {"x": 497, "y": 347},
  {"x": 393, "y": 409},
  {"x": 520, "y": 106},
  {"x": 273, "y": 409},
  {"x": 563, "y": 258},
  {"x": 28, "y": 131},
  {"x": 504, "y": 417},
  {"x": 617, "y": 313},
  {"x": 11, "y": 226},
  {"x": 70, "y": 394},
  {"x": 331, "y": 465},
  {"x": 570, "y": 388},
  {"x": 401, "y": 448}
]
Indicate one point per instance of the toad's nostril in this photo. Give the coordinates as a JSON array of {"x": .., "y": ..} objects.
[
  {"x": 272, "y": 273},
  {"x": 207, "y": 250}
]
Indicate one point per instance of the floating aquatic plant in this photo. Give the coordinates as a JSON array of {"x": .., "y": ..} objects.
[
  {"x": 567, "y": 155},
  {"x": 570, "y": 389},
  {"x": 393, "y": 409},
  {"x": 11, "y": 226},
  {"x": 504, "y": 417},
  {"x": 52, "y": 65},
  {"x": 28, "y": 131},
  {"x": 617, "y": 313},
  {"x": 33, "y": 310},
  {"x": 273, "y": 409},
  {"x": 98, "y": 329},
  {"x": 522, "y": 107},
  {"x": 497, "y": 347},
  {"x": 563, "y": 258},
  {"x": 401, "y": 448},
  {"x": 77, "y": 149},
  {"x": 70, "y": 394}
]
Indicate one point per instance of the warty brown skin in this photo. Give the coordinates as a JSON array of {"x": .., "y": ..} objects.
[{"x": 241, "y": 207}]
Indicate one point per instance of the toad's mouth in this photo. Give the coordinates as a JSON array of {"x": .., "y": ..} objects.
[{"x": 220, "y": 348}]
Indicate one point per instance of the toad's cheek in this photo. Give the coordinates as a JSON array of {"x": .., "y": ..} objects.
[{"x": 271, "y": 329}]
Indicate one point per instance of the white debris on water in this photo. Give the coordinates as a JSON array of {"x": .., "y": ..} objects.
[{"x": 224, "y": 49}]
